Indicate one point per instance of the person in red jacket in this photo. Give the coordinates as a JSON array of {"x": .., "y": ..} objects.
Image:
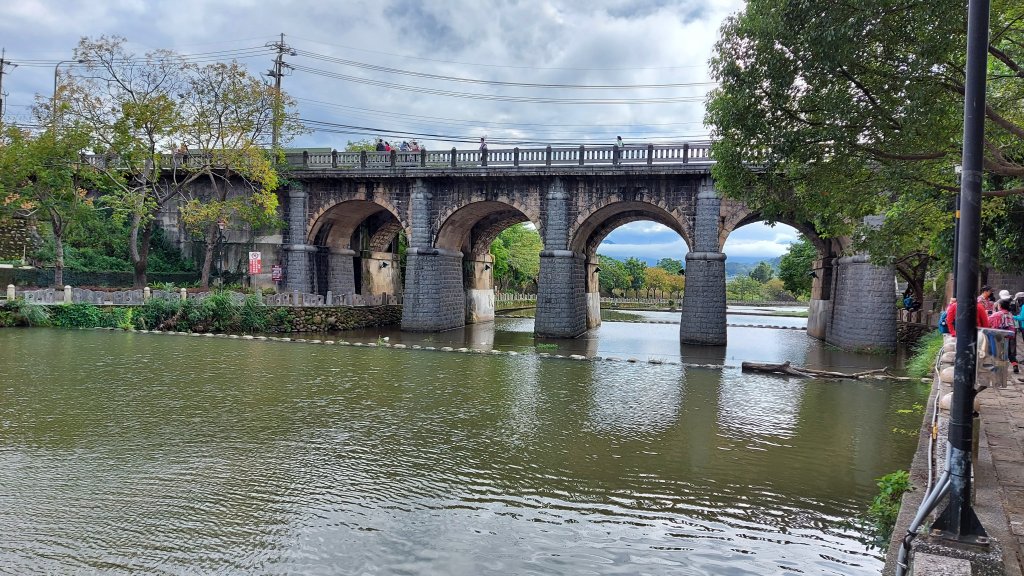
[{"x": 981, "y": 322}]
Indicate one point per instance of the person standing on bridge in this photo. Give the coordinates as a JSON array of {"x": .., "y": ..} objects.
[
  {"x": 617, "y": 151},
  {"x": 483, "y": 151}
]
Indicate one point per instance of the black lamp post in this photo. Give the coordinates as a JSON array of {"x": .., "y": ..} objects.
[{"x": 221, "y": 224}]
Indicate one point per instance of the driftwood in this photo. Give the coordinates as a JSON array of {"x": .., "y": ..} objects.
[{"x": 790, "y": 370}]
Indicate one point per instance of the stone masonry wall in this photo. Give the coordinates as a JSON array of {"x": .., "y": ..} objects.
[
  {"x": 863, "y": 306},
  {"x": 13, "y": 239},
  {"x": 434, "y": 297},
  {"x": 341, "y": 279},
  {"x": 561, "y": 296},
  {"x": 703, "y": 318}
]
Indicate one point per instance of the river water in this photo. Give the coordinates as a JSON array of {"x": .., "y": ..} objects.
[{"x": 129, "y": 453}]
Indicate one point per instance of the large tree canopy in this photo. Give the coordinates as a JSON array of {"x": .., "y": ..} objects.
[{"x": 829, "y": 112}]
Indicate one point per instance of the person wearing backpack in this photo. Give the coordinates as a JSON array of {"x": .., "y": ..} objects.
[{"x": 1003, "y": 319}]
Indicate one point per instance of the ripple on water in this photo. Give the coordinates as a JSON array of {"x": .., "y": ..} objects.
[{"x": 170, "y": 455}]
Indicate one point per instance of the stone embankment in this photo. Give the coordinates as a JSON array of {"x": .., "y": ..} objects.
[
  {"x": 998, "y": 483},
  {"x": 289, "y": 319}
]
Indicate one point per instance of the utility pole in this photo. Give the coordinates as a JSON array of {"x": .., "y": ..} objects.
[
  {"x": 959, "y": 522},
  {"x": 277, "y": 72},
  {"x": 4, "y": 63}
]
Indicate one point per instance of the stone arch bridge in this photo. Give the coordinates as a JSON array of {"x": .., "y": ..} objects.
[{"x": 344, "y": 212}]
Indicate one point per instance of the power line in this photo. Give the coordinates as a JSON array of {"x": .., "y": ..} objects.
[
  {"x": 394, "y": 113},
  {"x": 378, "y": 68},
  {"x": 491, "y": 65},
  {"x": 496, "y": 97},
  {"x": 338, "y": 128}
]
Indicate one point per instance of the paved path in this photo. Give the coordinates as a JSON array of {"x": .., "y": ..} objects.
[{"x": 1002, "y": 418}]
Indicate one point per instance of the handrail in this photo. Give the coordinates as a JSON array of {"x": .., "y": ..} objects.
[{"x": 629, "y": 156}]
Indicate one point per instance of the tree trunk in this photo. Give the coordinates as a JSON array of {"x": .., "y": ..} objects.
[
  {"x": 211, "y": 244},
  {"x": 140, "y": 253},
  {"x": 58, "y": 257}
]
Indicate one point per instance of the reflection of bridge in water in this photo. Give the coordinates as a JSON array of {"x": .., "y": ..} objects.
[{"x": 345, "y": 209}]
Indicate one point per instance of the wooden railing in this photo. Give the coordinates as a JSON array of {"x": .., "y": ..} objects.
[{"x": 630, "y": 156}]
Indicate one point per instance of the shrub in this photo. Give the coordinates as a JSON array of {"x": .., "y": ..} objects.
[
  {"x": 926, "y": 351},
  {"x": 220, "y": 312},
  {"x": 26, "y": 314},
  {"x": 253, "y": 315},
  {"x": 155, "y": 312},
  {"x": 885, "y": 507},
  {"x": 78, "y": 315}
]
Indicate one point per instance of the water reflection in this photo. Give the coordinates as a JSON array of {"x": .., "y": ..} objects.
[{"x": 129, "y": 453}]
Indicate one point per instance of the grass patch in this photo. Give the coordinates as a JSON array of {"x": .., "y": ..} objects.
[
  {"x": 926, "y": 351},
  {"x": 617, "y": 316}
]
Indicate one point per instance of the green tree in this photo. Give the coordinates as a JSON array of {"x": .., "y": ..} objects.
[
  {"x": 364, "y": 145},
  {"x": 516, "y": 254},
  {"x": 137, "y": 107},
  {"x": 227, "y": 114},
  {"x": 635, "y": 268},
  {"x": 743, "y": 288},
  {"x": 658, "y": 278},
  {"x": 795, "y": 266},
  {"x": 763, "y": 272},
  {"x": 613, "y": 276},
  {"x": 829, "y": 113},
  {"x": 670, "y": 265}
]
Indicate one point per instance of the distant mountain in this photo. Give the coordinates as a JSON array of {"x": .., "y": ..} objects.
[{"x": 734, "y": 265}]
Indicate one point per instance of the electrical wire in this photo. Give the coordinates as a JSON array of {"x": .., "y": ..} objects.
[
  {"x": 495, "y": 97},
  {"x": 378, "y": 68},
  {"x": 492, "y": 65}
]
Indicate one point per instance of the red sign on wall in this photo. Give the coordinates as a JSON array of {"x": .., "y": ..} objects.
[
  {"x": 275, "y": 273},
  {"x": 255, "y": 262}
]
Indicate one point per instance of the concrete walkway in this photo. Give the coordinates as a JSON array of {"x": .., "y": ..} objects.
[{"x": 998, "y": 488}]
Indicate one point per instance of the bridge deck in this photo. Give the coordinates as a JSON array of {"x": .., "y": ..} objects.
[{"x": 687, "y": 157}]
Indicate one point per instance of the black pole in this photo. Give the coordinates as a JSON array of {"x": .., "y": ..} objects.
[
  {"x": 959, "y": 521},
  {"x": 956, "y": 232}
]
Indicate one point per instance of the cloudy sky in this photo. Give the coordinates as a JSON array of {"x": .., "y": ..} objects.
[{"x": 445, "y": 72}]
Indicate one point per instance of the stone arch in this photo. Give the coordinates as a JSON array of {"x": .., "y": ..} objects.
[
  {"x": 351, "y": 238},
  {"x": 471, "y": 228},
  {"x": 342, "y": 219},
  {"x": 737, "y": 215},
  {"x": 363, "y": 199},
  {"x": 590, "y": 232}
]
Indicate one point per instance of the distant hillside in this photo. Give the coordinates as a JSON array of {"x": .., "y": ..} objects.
[
  {"x": 742, "y": 265},
  {"x": 734, "y": 265}
]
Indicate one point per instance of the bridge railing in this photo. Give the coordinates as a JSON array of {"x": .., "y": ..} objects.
[{"x": 582, "y": 155}]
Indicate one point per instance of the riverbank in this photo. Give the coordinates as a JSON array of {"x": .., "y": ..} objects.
[{"x": 998, "y": 487}]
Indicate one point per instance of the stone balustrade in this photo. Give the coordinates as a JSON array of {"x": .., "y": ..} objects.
[
  {"x": 630, "y": 156},
  {"x": 136, "y": 297}
]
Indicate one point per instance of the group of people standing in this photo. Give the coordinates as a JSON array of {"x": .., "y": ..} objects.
[
  {"x": 1005, "y": 313},
  {"x": 405, "y": 146}
]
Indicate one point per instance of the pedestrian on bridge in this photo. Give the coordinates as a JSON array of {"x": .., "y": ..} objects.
[
  {"x": 617, "y": 152},
  {"x": 483, "y": 150}
]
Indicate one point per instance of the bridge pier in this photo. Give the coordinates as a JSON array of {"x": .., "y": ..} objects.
[
  {"x": 435, "y": 300},
  {"x": 298, "y": 254},
  {"x": 341, "y": 278},
  {"x": 593, "y": 295},
  {"x": 561, "y": 301},
  {"x": 479, "y": 289},
  {"x": 863, "y": 311},
  {"x": 703, "y": 318}
]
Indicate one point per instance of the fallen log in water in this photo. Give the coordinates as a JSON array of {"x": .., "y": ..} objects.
[{"x": 789, "y": 370}]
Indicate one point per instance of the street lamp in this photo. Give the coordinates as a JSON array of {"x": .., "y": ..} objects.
[
  {"x": 53, "y": 99},
  {"x": 221, "y": 224}
]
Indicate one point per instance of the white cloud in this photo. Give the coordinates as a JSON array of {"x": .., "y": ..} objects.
[{"x": 550, "y": 42}]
